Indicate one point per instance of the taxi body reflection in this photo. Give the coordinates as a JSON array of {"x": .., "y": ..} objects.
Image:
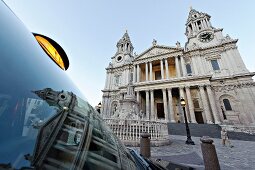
[{"x": 45, "y": 122}]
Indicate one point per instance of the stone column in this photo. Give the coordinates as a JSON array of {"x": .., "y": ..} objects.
[
  {"x": 134, "y": 74},
  {"x": 138, "y": 73},
  {"x": 183, "y": 67},
  {"x": 177, "y": 68},
  {"x": 182, "y": 95},
  {"x": 152, "y": 106},
  {"x": 138, "y": 99},
  {"x": 213, "y": 105},
  {"x": 203, "y": 23},
  {"x": 191, "y": 105},
  {"x": 147, "y": 105},
  {"x": 150, "y": 71},
  {"x": 165, "y": 104},
  {"x": 205, "y": 105},
  {"x": 146, "y": 71},
  {"x": 170, "y": 101},
  {"x": 167, "y": 72},
  {"x": 138, "y": 96},
  {"x": 162, "y": 69}
]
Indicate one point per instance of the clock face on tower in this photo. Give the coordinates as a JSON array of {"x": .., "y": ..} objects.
[
  {"x": 119, "y": 58},
  {"x": 205, "y": 37}
]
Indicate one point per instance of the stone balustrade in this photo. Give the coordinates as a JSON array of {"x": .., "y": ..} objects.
[{"x": 129, "y": 131}]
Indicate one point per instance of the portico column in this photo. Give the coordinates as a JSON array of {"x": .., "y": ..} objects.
[
  {"x": 177, "y": 67},
  {"x": 146, "y": 71},
  {"x": 138, "y": 73},
  {"x": 182, "y": 95},
  {"x": 205, "y": 105},
  {"x": 170, "y": 101},
  {"x": 191, "y": 105},
  {"x": 165, "y": 104},
  {"x": 167, "y": 72},
  {"x": 183, "y": 67},
  {"x": 152, "y": 106},
  {"x": 138, "y": 97},
  {"x": 213, "y": 104},
  {"x": 150, "y": 71},
  {"x": 147, "y": 104},
  {"x": 162, "y": 69},
  {"x": 134, "y": 74}
]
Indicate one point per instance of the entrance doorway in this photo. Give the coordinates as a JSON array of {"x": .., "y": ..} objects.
[
  {"x": 160, "y": 111},
  {"x": 199, "y": 117}
]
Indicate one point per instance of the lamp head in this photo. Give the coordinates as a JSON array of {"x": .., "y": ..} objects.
[{"x": 183, "y": 103}]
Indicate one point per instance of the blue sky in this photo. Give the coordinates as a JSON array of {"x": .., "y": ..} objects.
[{"x": 89, "y": 30}]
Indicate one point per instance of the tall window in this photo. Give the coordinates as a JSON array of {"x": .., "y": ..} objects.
[
  {"x": 157, "y": 75},
  {"x": 117, "y": 80},
  {"x": 188, "y": 68},
  {"x": 215, "y": 65},
  {"x": 227, "y": 104},
  {"x": 131, "y": 77}
]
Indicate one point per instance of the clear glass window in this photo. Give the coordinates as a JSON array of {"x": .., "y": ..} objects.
[
  {"x": 215, "y": 65},
  {"x": 188, "y": 68},
  {"x": 227, "y": 104}
]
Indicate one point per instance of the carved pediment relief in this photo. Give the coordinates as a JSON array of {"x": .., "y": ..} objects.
[{"x": 156, "y": 50}]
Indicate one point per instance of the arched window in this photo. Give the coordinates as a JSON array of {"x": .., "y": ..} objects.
[{"x": 227, "y": 104}]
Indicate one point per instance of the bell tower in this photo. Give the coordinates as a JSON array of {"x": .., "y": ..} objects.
[
  {"x": 124, "y": 45},
  {"x": 124, "y": 53},
  {"x": 197, "y": 22}
]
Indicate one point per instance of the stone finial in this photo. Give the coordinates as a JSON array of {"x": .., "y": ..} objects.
[
  {"x": 190, "y": 8},
  {"x": 178, "y": 45},
  {"x": 228, "y": 37},
  {"x": 154, "y": 42}
]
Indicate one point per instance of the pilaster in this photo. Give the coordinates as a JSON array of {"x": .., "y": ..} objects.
[
  {"x": 191, "y": 106},
  {"x": 213, "y": 104},
  {"x": 205, "y": 105}
]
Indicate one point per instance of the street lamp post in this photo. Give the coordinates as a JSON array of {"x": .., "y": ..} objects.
[{"x": 189, "y": 140}]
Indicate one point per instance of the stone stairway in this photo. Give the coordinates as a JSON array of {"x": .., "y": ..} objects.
[
  {"x": 211, "y": 130},
  {"x": 197, "y": 130}
]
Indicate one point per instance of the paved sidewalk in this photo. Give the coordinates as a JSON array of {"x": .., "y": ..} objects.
[{"x": 241, "y": 156}]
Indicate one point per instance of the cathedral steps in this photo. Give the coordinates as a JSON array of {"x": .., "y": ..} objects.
[{"x": 211, "y": 130}]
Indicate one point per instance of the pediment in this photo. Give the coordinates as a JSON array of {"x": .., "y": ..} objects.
[{"x": 156, "y": 50}]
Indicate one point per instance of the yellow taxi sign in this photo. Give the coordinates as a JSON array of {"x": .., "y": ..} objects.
[{"x": 53, "y": 50}]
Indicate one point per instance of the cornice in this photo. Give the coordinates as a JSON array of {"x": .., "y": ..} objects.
[
  {"x": 159, "y": 56},
  {"x": 247, "y": 74},
  {"x": 223, "y": 46},
  {"x": 230, "y": 87},
  {"x": 157, "y": 46},
  {"x": 119, "y": 68},
  {"x": 174, "y": 80}
]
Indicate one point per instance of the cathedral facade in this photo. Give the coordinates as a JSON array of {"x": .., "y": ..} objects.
[{"x": 208, "y": 72}]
